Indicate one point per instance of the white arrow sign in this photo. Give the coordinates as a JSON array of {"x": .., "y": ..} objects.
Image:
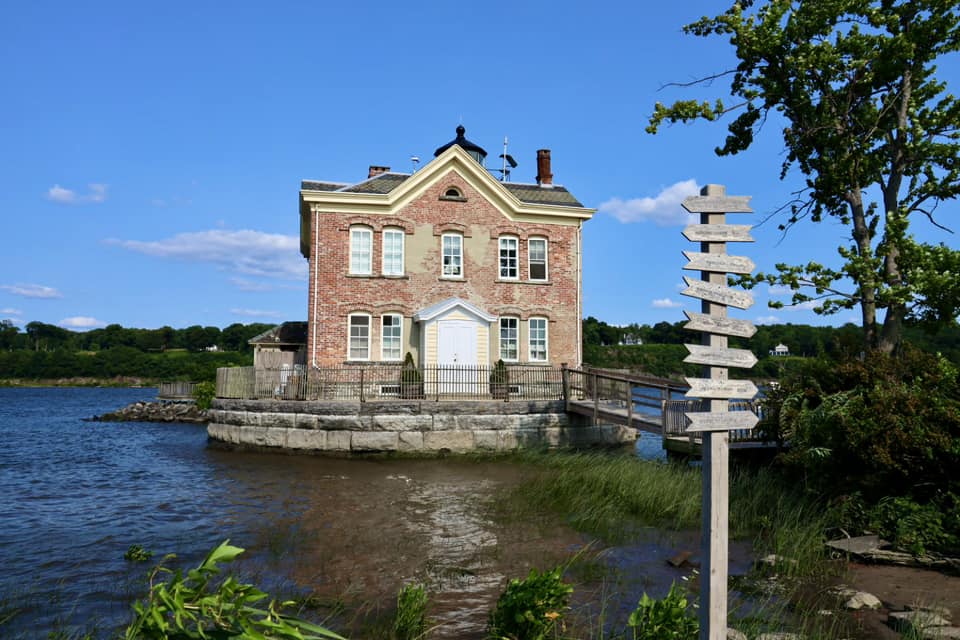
[
  {"x": 722, "y": 421},
  {"x": 722, "y": 326},
  {"x": 707, "y": 388},
  {"x": 718, "y": 233},
  {"x": 719, "y": 356},
  {"x": 717, "y": 204},
  {"x": 717, "y": 293},
  {"x": 718, "y": 262}
]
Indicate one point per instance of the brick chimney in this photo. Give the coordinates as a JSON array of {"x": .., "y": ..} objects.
[
  {"x": 375, "y": 171},
  {"x": 544, "y": 177}
]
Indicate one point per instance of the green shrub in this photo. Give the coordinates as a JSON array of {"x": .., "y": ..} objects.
[
  {"x": 411, "y": 380},
  {"x": 530, "y": 609},
  {"x": 664, "y": 619},
  {"x": 204, "y": 393},
  {"x": 199, "y": 605},
  {"x": 916, "y": 528},
  {"x": 499, "y": 380},
  {"x": 411, "y": 620}
]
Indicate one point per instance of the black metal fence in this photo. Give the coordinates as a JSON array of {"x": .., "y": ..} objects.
[{"x": 380, "y": 382}]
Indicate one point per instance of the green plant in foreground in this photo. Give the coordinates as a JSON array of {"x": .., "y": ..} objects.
[
  {"x": 204, "y": 393},
  {"x": 530, "y": 609},
  {"x": 411, "y": 620},
  {"x": 136, "y": 553},
  {"x": 664, "y": 619},
  {"x": 198, "y": 606}
]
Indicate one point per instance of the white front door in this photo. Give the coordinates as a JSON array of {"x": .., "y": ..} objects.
[{"x": 457, "y": 356}]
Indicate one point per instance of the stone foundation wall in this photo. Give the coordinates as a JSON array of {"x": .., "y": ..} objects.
[{"x": 408, "y": 426}]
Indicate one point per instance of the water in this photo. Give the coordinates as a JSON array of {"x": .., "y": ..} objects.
[{"x": 77, "y": 494}]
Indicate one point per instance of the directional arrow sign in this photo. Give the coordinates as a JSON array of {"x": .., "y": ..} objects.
[
  {"x": 719, "y": 356},
  {"x": 717, "y": 293},
  {"x": 707, "y": 388},
  {"x": 717, "y": 204},
  {"x": 722, "y": 421},
  {"x": 718, "y": 262},
  {"x": 718, "y": 233},
  {"x": 722, "y": 326}
]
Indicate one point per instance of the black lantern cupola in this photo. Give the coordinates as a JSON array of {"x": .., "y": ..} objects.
[{"x": 476, "y": 151}]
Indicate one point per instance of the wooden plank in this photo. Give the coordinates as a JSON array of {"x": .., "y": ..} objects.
[
  {"x": 723, "y": 326},
  {"x": 717, "y": 293},
  {"x": 717, "y": 204},
  {"x": 720, "y": 356},
  {"x": 724, "y": 421},
  {"x": 707, "y": 388},
  {"x": 718, "y": 233},
  {"x": 718, "y": 262}
]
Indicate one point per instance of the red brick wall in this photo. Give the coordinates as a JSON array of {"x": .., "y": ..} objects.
[{"x": 339, "y": 294}]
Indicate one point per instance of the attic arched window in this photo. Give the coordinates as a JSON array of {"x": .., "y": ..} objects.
[{"x": 453, "y": 193}]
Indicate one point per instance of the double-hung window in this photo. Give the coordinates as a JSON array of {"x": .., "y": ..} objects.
[
  {"x": 508, "y": 258},
  {"x": 359, "y": 341},
  {"x": 393, "y": 252},
  {"x": 537, "y": 339},
  {"x": 361, "y": 250},
  {"x": 391, "y": 336},
  {"x": 452, "y": 255},
  {"x": 537, "y": 258},
  {"x": 509, "y": 339}
]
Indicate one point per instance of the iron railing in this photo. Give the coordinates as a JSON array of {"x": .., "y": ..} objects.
[{"x": 380, "y": 382}]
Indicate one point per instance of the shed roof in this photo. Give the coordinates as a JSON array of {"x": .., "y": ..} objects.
[{"x": 286, "y": 333}]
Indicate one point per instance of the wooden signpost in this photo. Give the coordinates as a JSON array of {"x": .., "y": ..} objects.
[{"x": 713, "y": 263}]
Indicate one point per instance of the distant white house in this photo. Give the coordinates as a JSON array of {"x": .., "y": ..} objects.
[{"x": 780, "y": 350}]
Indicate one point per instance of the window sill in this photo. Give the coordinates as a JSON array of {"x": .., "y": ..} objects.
[
  {"x": 452, "y": 278},
  {"x": 376, "y": 276},
  {"x": 534, "y": 282}
]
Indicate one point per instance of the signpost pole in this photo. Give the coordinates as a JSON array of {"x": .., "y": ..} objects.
[{"x": 713, "y": 233}]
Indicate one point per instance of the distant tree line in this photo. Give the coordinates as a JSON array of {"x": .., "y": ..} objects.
[
  {"x": 39, "y": 336},
  {"x": 657, "y": 350}
]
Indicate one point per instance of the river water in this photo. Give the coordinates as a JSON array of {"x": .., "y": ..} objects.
[{"x": 77, "y": 494}]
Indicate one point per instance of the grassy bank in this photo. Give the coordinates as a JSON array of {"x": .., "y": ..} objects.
[{"x": 614, "y": 498}]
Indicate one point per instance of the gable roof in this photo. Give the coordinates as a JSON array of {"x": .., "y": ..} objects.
[
  {"x": 286, "y": 333},
  {"x": 434, "y": 310}
]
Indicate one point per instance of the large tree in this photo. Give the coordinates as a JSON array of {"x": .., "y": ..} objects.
[{"x": 871, "y": 129}]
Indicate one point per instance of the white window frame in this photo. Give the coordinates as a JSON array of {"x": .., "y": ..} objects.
[
  {"x": 399, "y": 338},
  {"x": 392, "y": 255},
  {"x": 350, "y": 318},
  {"x": 356, "y": 252},
  {"x": 503, "y": 245},
  {"x": 530, "y": 340},
  {"x": 443, "y": 255},
  {"x": 516, "y": 338},
  {"x": 546, "y": 259}
]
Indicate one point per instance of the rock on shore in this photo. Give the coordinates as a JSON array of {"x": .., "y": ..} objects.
[{"x": 156, "y": 412}]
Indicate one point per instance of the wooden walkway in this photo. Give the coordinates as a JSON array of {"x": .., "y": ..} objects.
[{"x": 647, "y": 404}]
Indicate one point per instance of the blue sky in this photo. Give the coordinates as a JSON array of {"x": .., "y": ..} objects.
[{"x": 151, "y": 154}]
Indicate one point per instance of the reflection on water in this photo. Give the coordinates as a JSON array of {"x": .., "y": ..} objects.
[{"x": 352, "y": 531}]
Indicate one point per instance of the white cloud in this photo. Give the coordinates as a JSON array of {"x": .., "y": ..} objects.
[
  {"x": 252, "y": 253},
  {"x": 663, "y": 209},
  {"x": 666, "y": 303},
  {"x": 769, "y": 320},
  {"x": 97, "y": 193},
  {"x": 779, "y": 290},
  {"x": 256, "y": 313},
  {"x": 249, "y": 285},
  {"x": 31, "y": 290},
  {"x": 11, "y": 312},
  {"x": 803, "y": 306},
  {"x": 81, "y": 322}
]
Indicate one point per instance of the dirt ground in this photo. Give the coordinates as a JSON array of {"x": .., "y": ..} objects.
[{"x": 899, "y": 588}]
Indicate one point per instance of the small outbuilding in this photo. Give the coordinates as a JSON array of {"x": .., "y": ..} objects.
[
  {"x": 282, "y": 347},
  {"x": 780, "y": 350}
]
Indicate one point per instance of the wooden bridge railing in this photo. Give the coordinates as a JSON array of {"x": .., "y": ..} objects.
[{"x": 605, "y": 389}]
